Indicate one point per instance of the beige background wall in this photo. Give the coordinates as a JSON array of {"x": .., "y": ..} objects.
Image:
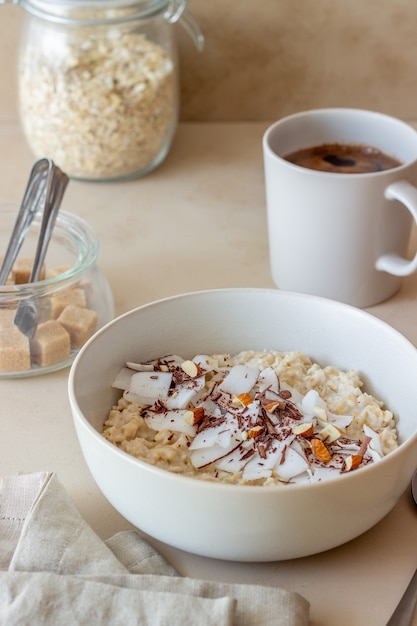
[{"x": 268, "y": 58}]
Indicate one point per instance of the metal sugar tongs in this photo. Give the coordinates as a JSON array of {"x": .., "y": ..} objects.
[
  {"x": 46, "y": 185},
  {"x": 32, "y": 198}
]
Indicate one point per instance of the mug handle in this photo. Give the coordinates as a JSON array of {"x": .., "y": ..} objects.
[{"x": 395, "y": 264}]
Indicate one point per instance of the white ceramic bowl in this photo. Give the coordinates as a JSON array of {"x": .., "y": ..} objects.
[{"x": 236, "y": 522}]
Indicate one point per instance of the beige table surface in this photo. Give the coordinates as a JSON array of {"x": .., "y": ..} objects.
[{"x": 197, "y": 222}]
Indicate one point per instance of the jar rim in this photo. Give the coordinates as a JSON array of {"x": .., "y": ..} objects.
[
  {"x": 73, "y": 229},
  {"x": 85, "y": 12}
]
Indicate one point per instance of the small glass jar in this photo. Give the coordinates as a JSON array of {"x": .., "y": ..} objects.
[
  {"x": 98, "y": 83},
  {"x": 73, "y": 298}
]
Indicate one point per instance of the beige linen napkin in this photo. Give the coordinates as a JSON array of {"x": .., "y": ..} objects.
[{"x": 55, "y": 570}]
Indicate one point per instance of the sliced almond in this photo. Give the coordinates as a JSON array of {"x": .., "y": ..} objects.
[
  {"x": 305, "y": 429},
  {"x": 255, "y": 431},
  {"x": 320, "y": 451},
  {"x": 274, "y": 405},
  {"x": 320, "y": 413},
  {"x": 242, "y": 399},
  {"x": 192, "y": 369},
  {"x": 352, "y": 462},
  {"x": 194, "y": 416},
  {"x": 330, "y": 433}
]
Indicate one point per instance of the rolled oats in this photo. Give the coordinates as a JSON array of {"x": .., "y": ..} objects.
[{"x": 101, "y": 103}]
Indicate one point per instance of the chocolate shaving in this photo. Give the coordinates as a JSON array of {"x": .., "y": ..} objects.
[
  {"x": 179, "y": 376},
  {"x": 221, "y": 457},
  {"x": 364, "y": 446},
  {"x": 157, "y": 407},
  {"x": 262, "y": 451},
  {"x": 247, "y": 454},
  {"x": 269, "y": 425},
  {"x": 209, "y": 421}
]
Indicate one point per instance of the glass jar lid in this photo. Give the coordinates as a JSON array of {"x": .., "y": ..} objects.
[
  {"x": 85, "y": 11},
  {"x": 91, "y": 12}
]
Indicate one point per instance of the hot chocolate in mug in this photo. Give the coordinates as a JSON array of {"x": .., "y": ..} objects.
[{"x": 341, "y": 233}]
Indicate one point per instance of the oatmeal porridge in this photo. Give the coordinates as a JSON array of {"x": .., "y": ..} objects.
[{"x": 255, "y": 418}]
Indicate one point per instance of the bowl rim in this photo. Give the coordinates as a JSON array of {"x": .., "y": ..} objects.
[{"x": 79, "y": 417}]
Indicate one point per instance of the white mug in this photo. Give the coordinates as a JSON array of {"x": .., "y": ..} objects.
[{"x": 338, "y": 235}]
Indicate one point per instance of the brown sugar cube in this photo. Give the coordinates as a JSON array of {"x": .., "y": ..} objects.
[
  {"x": 14, "y": 345},
  {"x": 80, "y": 323},
  {"x": 51, "y": 343},
  {"x": 64, "y": 297},
  {"x": 22, "y": 270}
]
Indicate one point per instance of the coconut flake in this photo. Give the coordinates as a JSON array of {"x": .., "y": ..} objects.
[
  {"x": 150, "y": 386},
  {"x": 258, "y": 467},
  {"x": 268, "y": 380},
  {"x": 206, "y": 456},
  {"x": 321, "y": 473},
  {"x": 231, "y": 432},
  {"x": 240, "y": 379},
  {"x": 251, "y": 412},
  {"x": 122, "y": 379},
  {"x": 221, "y": 435},
  {"x": 171, "y": 420},
  {"x": 374, "y": 445},
  {"x": 296, "y": 396},
  {"x": 206, "y": 362},
  {"x": 310, "y": 402},
  {"x": 210, "y": 407},
  {"x": 313, "y": 405},
  {"x": 348, "y": 446},
  {"x": 341, "y": 421},
  {"x": 293, "y": 464},
  {"x": 186, "y": 393},
  {"x": 235, "y": 461},
  {"x": 206, "y": 438},
  {"x": 140, "y": 367}
]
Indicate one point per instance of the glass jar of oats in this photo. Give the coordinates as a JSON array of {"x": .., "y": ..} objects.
[{"x": 98, "y": 83}]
